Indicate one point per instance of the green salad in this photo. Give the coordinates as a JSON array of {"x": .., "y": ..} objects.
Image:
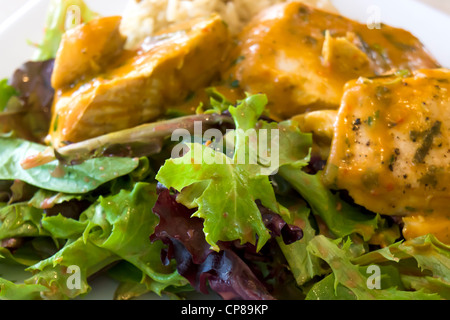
[{"x": 240, "y": 213}]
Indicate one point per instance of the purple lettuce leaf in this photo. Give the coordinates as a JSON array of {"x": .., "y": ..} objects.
[
  {"x": 29, "y": 113},
  {"x": 235, "y": 271}
]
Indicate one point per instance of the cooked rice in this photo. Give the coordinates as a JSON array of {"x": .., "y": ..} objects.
[{"x": 142, "y": 18}]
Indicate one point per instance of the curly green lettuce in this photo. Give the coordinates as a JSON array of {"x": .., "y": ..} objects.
[
  {"x": 225, "y": 187},
  {"x": 115, "y": 228},
  {"x": 350, "y": 277}
]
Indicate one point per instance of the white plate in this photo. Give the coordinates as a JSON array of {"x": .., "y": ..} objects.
[{"x": 426, "y": 22}]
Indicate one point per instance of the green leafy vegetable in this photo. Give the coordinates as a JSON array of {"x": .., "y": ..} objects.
[
  {"x": 340, "y": 217},
  {"x": 304, "y": 265},
  {"x": 31, "y": 251},
  {"x": 430, "y": 254},
  {"x": 131, "y": 281},
  {"x": 427, "y": 284},
  {"x": 12, "y": 291},
  {"x": 115, "y": 228},
  {"x": 76, "y": 179},
  {"x": 21, "y": 220},
  {"x": 53, "y": 272},
  {"x": 355, "y": 279},
  {"x": 44, "y": 199},
  {"x": 424, "y": 263},
  {"x": 6, "y": 92},
  {"x": 218, "y": 103},
  {"x": 61, "y": 15},
  {"x": 227, "y": 198},
  {"x": 28, "y": 113},
  {"x": 144, "y": 140},
  {"x": 225, "y": 189},
  {"x": 326, "y": 289},
  {"x": 62, "y": 227}
]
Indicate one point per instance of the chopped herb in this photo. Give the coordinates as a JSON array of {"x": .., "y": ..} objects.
[
  {"x": 430, "y": 178},
  {"x": 415, "y": 135},
  {"x": 235, "y": 84},
  {"x": 371, "y": 119},
  {"x": 347, "y": 142},
  {"x": 377, "y": 114},
  {"x": 370, "y": 180},
  {"x": 376, "y": 52},
  {"x": 430, "y": 134},
  {"x": 382, "y": 94}
]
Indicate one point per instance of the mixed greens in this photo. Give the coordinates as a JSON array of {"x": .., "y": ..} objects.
[{"x": 154, "y": 223}]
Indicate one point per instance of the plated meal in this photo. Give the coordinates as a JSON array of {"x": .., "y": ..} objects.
[{"x": 246, "y": 150}]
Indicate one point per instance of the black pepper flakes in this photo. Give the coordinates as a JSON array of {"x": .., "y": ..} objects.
[{"x": 356, "y": 124}]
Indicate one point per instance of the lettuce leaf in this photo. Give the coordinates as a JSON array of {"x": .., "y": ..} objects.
[
  {"x": 227, "y": 274},
  {"x": 26, "y": 100},
  {"x": 21, "y": 220},
  {"x": 225, "y": 188},
  {"x": 61, "y": 227},
  {"x": 53, "y": 272},
  {"x": 132, "y": 282},
  {"x": 45, "y": 199},
  {"x": 56, "y": 24},
  {"x": 304, "y": 265},
  {"x": 341, "y": 218},
  {"x": 227, "y": 200},
  {"x": 430, "y": 254},
  {"x": 115, "y": 228},
  {"x": 127, "y": 221},
  {"x": 355, "y": 278},
  {"x": 6, "y": 92},
  {"x": 326, "y": 289},
  {"x": 12, "y": 291},
  {"x": 424, "y": 263},
  {"x": 78, "y": 179}
]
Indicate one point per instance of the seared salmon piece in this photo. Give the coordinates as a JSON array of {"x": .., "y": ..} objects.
[
  {"x": 391, "y": 149},
  {"x": 302, "y": 57},
  {"x": 130, "y": 88},
  {"x": 87, "y": 50}
]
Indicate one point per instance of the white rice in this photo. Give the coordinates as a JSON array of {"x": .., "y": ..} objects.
[{"x": 142, "y": 18}]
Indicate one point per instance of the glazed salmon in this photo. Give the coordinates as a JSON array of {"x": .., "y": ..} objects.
[
  {"x": 391, "y": 149},
  {"x": 115, "y": 89},
  {"x": 302, "y": 57}
]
